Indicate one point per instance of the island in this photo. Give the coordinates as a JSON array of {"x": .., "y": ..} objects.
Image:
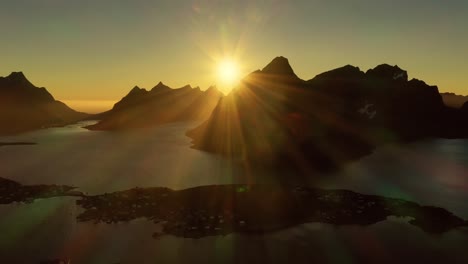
[
  {"x": 11, "y": 191},
  {"x": 219, "y": 210},
  {"x": 255, "y": 209},
  {"x": 16, "y": 143}
]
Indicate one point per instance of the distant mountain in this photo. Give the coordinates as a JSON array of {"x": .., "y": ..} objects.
[
  {"x": 464, "y": 110},
  {"x": 454, "y": 100},
  {"x": 24, "y": 106},
  {"x": 280, "y": 67},
  {"x": 273, "y": 117},
  {"x": 162, "y": 104}
]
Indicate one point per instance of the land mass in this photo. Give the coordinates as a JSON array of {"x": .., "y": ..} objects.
[
  {"x": 454, "y": 100},
  {"x": 275, "y": 118},
  {"x": 223, "y": 209},
  {"x": 11, "y": 191},
  {"x": 16, "y": 143},
  {"x": 141, "y": 108},
  {"x": 25, "y": 107}
]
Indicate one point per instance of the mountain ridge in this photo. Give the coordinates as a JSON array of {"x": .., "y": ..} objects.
[
  {"x": 279, "y": 65},
  {"x": 24, "y": 107},
  {"x": 454, "y": 100},
  {"x": 162, "y": 104},
  {"x": 335, "y": 117}
]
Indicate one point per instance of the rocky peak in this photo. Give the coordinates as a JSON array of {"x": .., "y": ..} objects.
[
  {"x": 388, "y": 72},
  {"x": 186, "y": 87},
  {"x": 16, "y": 76},
  {"x": 16, "y": 85},
  {"x": 160, "y": 86},
  {"x": 16, "y": 80},
  {"x": 279, "y": 66},
  {"x": 345, "y": 72},
  {"x": 136, "y": 90},
  {"x": 213, "y": 90}
]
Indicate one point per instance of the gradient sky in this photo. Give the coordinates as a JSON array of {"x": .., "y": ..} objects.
[{"x": 97, "y": 50}]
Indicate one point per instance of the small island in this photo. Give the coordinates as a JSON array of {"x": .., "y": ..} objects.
[
  {"x": 11, "y": 191},
  {"x": 16, "y": 143}
]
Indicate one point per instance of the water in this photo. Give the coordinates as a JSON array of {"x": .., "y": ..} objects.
[
  {"x": 432, "y": 172},
  {"x": 99, "y": 162}
]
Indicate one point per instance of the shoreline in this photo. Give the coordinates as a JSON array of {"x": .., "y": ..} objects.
[
  {"x": 17, "y": 143},
  {"x": 219, "y": 210}
]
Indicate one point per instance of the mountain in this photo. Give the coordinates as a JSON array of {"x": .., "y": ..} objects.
[
  {"x": 24, "y": 106},
  {"x": 464, "y": 110},
  {"x": 454, "y": 100},
  {"x": 277, "y": 119},
  {"x": 279, "y": 66},
  {"x": 162, "y": 104}
]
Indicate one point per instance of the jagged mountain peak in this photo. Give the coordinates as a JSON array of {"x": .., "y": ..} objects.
[
  {"x": 160, "y": 86},
  {"x": 279, "y": 66},
  {"x": 388, "y": 72},
  {"x": 141, "y": 108},
  {"x": 16, "y": 75},
  {"x": 347, "y": 71},
  {"x": 137, "y": 89},
  {"x": 187, "y": 86},
  {"x": 18, "y": 86},
  {"x": 17, "y": 80},
  {"x": 212, "y": 88},
  {"x": 29, "y": 106}
]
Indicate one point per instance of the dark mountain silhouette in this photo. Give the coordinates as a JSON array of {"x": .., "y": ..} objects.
[
  {"x": 279, "y": 66},
  {"x": 454, "y": 100},
  {"x": 162, "y": 104},
  {"x": 464, "y": 110},
  {"x": 24, "y": 106},
  {"x": 340, "y": 115}
]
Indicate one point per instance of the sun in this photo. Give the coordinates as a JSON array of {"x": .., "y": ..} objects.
[{"x": 228, "y": 72}]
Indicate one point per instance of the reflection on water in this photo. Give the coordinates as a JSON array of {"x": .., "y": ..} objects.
[
  {"x": 433, "y": 172},
  {"x": 47, "y": 230},
  {"x": 98, "y": 162}
]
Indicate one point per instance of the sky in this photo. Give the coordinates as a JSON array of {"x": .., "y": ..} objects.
[{"x": 90, "y": 53}]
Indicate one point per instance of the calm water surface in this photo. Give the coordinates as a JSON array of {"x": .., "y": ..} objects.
[{"x": 432, "y": 172}]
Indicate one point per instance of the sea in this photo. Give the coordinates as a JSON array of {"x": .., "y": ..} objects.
[{"x": 429, "y": 172}]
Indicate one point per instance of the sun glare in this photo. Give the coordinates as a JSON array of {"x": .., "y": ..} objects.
[{"x": 228, "y": 72}]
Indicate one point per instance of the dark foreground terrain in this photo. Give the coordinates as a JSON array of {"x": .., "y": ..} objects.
[
  {"x": 11, "y": 191},
  {"x": 25, "y": 107},
  {"x": 321, "y": 124},
  {"x": 223, "y": 209},
  {"x": 16, "y": 143}
]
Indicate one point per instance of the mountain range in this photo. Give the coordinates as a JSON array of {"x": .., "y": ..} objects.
[
  {"x": 25, "y": 107},
  {"x": 162, "y": 104},
  {"x": 277, "y": 118},
  {"x": 454, "y": 100},
  {"x": 271, "y": 117}
]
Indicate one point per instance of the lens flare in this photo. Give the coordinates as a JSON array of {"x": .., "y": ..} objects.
[{"x": 228, "y": 72}]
